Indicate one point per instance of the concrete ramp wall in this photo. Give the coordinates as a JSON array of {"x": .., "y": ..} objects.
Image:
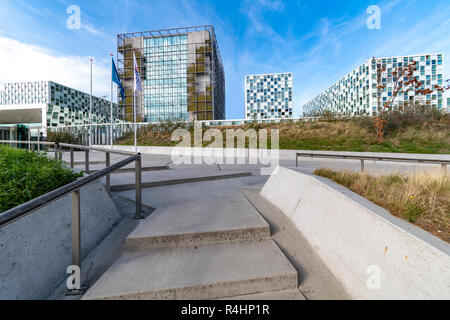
[
  {"x": 373, "y": 257},
  {"x": 36, "y": 250}
]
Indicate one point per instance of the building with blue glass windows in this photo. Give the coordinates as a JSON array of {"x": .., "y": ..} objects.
[
  {"x": 357, "y": 94},
  {"x": 268, "y": 96},
  {"x": 182, "y": 74}
]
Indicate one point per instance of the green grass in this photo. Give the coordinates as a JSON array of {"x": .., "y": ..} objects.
[{"x": 25, "y": 175}]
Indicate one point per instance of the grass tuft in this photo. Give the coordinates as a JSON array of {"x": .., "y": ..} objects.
[{"x": 421, "y": 198}]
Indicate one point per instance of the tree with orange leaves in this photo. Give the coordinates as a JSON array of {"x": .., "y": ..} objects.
[{"x": 403, "y": 81}]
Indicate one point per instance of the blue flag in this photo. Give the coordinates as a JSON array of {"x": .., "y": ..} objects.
[{"x": 115, "y": 79}]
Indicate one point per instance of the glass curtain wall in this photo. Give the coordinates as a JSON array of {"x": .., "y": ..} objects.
[
  {"x": 181, "y": 71},
  {"x": 165, "y": 81}
]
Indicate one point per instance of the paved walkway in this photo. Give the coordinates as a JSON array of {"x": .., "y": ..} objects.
[
  {"x": 216, "y": 239},
  {"x": 305, "y": 164},
  {"x": 205, "y": 240}
]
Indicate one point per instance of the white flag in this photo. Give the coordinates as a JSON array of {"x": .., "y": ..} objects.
[{"x": 137, "y": 77}]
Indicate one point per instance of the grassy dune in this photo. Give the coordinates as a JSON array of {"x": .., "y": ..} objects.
[
  {"x": 422, "y": 198},
  {"x": 338, "y": 135}
]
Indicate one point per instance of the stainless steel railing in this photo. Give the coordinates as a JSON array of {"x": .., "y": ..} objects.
[
  {"x": 442, "y": 162},
  {"x": 29, "y": 143},
  {"x": 107, "y": 152},
  {"x": 29, "y": 207}
]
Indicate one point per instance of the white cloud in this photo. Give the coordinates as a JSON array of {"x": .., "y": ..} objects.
[
  {"x": 275, "y": 5},
  {"x": 20, "y": 62},
  {"x": 254, "y": 11},
  {"x": 91, "y": 29}
]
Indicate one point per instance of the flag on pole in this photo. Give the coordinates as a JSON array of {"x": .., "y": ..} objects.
[
  {"x": 137, "y": 77},
  {"x": 137, "y": 87},
  {"x": 116, "y": 79}
]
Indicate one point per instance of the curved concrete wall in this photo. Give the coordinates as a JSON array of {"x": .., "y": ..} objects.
[
  {"x": 373, "y": 256},
  {"x": 36, "y": 249}
]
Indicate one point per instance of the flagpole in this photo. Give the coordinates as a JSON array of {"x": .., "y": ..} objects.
[
  {"x": 111, "y": 133},
  {"x": 90, "y": 110},
  {"x": 134, "y": 106},
  {"x": 135, "y": 126}
]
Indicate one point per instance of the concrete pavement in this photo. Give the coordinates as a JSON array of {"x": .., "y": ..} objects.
[
  {"x": 307, "y": 165},
  {"x": 204, "y": 241},
  {"x": 199, "y": 221}
]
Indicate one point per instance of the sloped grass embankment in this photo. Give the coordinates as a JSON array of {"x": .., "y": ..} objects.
[{"x": 432, "y": 137}]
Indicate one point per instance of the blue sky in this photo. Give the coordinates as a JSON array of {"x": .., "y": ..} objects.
[{"x": 319, "y": 41}]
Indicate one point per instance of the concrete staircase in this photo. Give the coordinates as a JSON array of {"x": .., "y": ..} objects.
[{"x": 219, "y": 248}]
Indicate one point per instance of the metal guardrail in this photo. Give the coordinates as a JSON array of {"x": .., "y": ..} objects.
[
  {"x": 87, "y": 149},
  {"x": 442, "y": 162},
  {"x": 29, "y": 142},
  {"x": 29, "y": 207}
]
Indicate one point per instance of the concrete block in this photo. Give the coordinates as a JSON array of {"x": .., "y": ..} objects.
[
  {"x": 215, "y": 217},
  {"x": 186, "y": 178},
  {"x": 205, "y": 272},
  {"x": 316, "y": 282},
  {"x": 288, "y": 294},
  {"x": 372, "y": 256},
  {"x": 36, "y": 249}
]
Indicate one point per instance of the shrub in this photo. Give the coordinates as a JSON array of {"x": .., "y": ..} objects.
[
  {"x": 25, "y": 175},
  {"x": 413, "y": 116},
  {"x": 64, "y": 137}
]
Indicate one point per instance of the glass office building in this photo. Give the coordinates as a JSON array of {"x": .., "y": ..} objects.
[
  {"x": 181, "y": 71},
  {"x": 51, "y": 105},
  {"x": 268, "y": 96},
  {"x": 356, "y": 93}
]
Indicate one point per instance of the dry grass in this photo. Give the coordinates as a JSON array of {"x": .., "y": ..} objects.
[
  {"x": 421, "y": 198},
  {"x": 338, "y": 135}
]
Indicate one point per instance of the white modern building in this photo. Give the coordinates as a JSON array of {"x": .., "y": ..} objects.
[
  {"x": 46, "y": 104},
  {"x": 268, "y": 96},
  {"x": 356, "y": 93}
]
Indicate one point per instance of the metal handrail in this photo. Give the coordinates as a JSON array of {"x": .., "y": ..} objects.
[
  {"x": 75, "y": 146},
  {"x": 442, "y": 162},
  {"x": 27, "y": 142},
  {"x": 26, "y": 208},
  {"x": 74, "y": 187},
  {"x": 87, "y": 149}
]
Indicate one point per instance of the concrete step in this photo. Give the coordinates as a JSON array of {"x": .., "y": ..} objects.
[
  {"x": 220, "y": 214},
  {"x": 165, "y": 182},
  {"x": 175, "y": 172},
  {"x": 208, "y": 271},
  {"x": 288, "y": 294},
  {"x": 97, "y": 160},
  {"x": 316, "y": 280},
  {"x": 82, "y": 163},
  {"x": 143, "y": 169}
]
